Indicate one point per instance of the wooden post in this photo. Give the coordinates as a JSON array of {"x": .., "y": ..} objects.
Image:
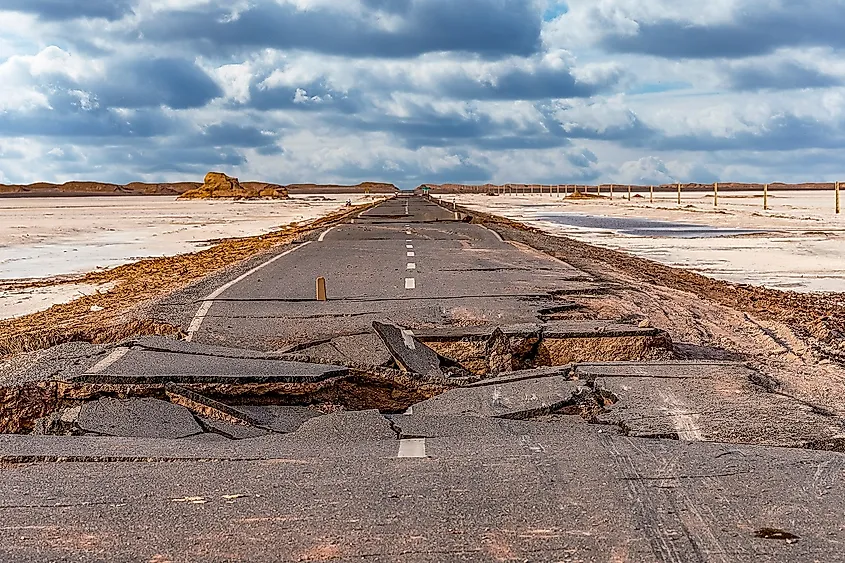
[
  {"x": 321, "y": 289},
  {"x": 838, "y": 208},
  {"x": 715, "y": 194},
  {"x": 611, "y": 191},
  {"x": 629, "y": 192},
  {"x": 598, "y": 189},
  {"x": 651, "y": 194},
  {"x": 765, "y": 197}
]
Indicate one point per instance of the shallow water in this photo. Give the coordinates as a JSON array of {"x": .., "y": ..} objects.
[{"x": 643, "y": 227}]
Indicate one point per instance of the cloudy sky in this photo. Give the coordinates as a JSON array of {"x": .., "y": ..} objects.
[{"x": 413, "y": 91}]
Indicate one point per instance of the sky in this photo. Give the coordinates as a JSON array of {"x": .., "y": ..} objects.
[{"x": 423, "y": 91}]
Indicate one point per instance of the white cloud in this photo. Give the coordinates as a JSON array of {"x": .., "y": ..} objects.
[{"x": 584, "y": 105}]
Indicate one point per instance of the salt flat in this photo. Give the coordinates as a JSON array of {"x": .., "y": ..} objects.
[
  {"x": 66, "y": 237},
  {"x": 795, "y": 245}
]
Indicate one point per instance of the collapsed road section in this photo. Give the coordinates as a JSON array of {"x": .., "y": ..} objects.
[{"x": 443, "y": 394}]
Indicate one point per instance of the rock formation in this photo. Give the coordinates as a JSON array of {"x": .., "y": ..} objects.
[{"x": 220, "y": 186}]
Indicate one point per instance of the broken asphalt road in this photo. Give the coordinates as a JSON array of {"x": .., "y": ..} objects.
[{"x": 488, "y": 416}]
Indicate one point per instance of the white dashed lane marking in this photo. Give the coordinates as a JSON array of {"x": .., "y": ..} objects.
[
  {"x": 411, "y": 266},
  {"x": 412, "y": 447},
  {"x": 409, "y": 246},
  {"x": 411, "y": 255},
  {"x": 410, "y": 283},
  {"x": 106, "y": 362}
]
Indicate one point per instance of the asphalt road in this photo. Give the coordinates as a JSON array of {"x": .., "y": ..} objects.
[{"x": 688, "y": 462}]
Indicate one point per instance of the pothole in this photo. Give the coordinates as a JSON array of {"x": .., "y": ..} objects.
[{"x": 424, "y": 366}]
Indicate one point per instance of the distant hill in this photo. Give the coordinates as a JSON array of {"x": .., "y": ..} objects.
[
  {"x": 80, "y": 189},
  {"x": 72, "y": 189},
  {"x": 686, "y": 187},
  {"x": 363, "y": 187}
]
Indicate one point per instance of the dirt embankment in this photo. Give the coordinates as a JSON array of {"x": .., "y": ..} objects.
[
  {"x": 113, "y": 316},
  {"x": 687, "y": 187},
  {"x": 820, "y": 316}
]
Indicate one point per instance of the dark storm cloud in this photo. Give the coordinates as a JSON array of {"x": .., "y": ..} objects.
[
  {"x": 228, "y": 134},
  {"x": 757, "y": 30},
  {"x": 525, "y": 84},
  {"x": 424, "y": 126},
  {"x": 57, "y": 10},
  {"x": 785, "y": 132},
  {"x": 175, "y": 83},
  {"x": 184, "y": 159},
  {"x": 411, "y": 174},
  {"x": 488, "y": 27},
  {"x": 632, "y": 128},
  {"x": 787, "y": 75},
  {"x": 85, "y": 126}
]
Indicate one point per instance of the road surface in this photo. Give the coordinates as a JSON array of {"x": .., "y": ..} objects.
[{"x": 283, "y": 428}]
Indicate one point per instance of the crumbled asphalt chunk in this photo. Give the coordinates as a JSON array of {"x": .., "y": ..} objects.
[
  {"x": 279, "y": 418},
  {"x": 232, "y": 431},
  {"x": 411, "y": 354},
  {"x": 137, "y": 418}
]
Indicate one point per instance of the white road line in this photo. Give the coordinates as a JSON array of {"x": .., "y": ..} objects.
[
  {"x": 323, "y": 236},
  {"x": 410, "y": 283},
  {"x": 208, "y": 301},
  {"x": 407, "y": 232},
  {"x": 412, "y": 447},
  {"x": 411, "y": 255},
  {"x": 411, "y": 266},
  {"x": 409, "y": 240},
  {"x": 103, "y": 364},
  {"x": 409, "y": 246}
]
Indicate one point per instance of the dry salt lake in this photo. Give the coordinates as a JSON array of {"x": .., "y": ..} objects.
[{"x": 59, "y": 237}]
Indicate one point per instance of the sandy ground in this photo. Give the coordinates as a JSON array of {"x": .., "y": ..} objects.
[
  {"x": 50, "y": 238},
  {"x": 796, "y": 245}
]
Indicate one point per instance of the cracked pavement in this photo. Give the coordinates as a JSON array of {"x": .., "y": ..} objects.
[{"x": 480, "y": 411}]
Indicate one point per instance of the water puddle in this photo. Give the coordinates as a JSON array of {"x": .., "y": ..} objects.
[{"x": 644, "y": 227}]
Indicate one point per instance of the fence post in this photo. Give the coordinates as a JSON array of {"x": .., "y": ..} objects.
[
  {"x": 629, "y": 192},
  {"x": 611, "y": 191},
  {"x": 651, "y": 194},
  {"x": 679, "y": 193},
  {"x": 766, "y": 197},
  {"x": 715, "y": 194},
  {"x": 838, "y": 211}
]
